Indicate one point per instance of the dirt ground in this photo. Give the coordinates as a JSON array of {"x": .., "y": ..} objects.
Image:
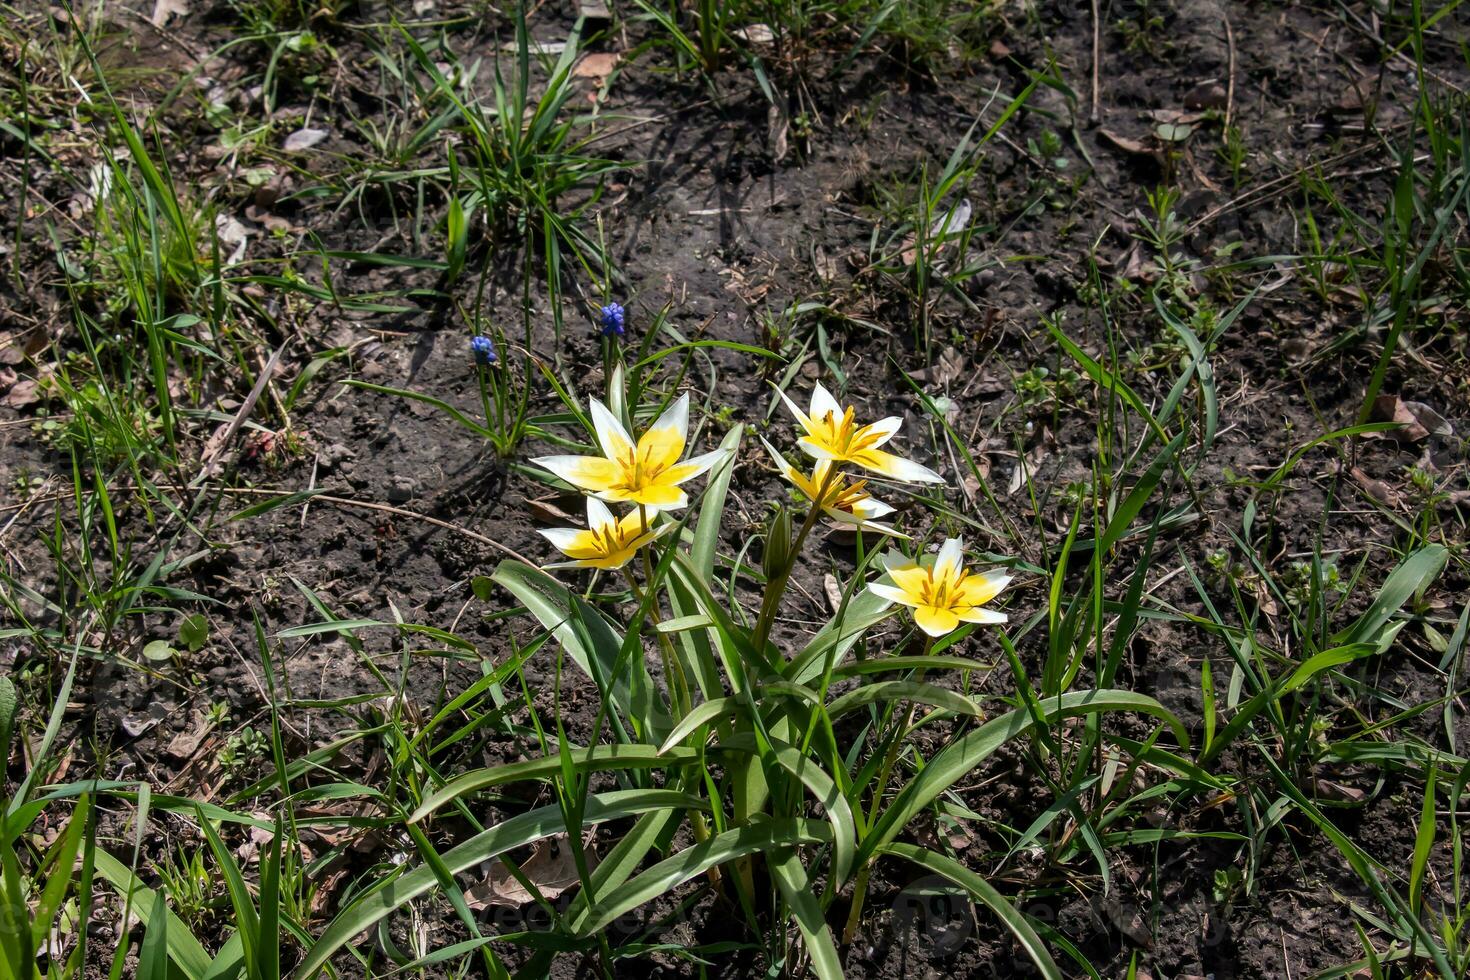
[{"x": 701, "y": 215}]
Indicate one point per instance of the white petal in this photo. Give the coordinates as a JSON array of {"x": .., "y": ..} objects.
[
  {"x": 823, "y": 403},
  {"x": 890, "y": 592},
  {"x": 598, "y": 514},
  {"x": 676, "y": 417},
  {"x": 611, "y": 435},
  {"x": 697, "y": 465},
  {"x": 905, "y": 470},
  {"x": 979, "y": 614},
  {"x": 843, "y": 517},
  {"x": 782, "y": 466},
  {"x": 951, "y": 559},
  {"x": 801, "y": 417},
  {"x": 871, "y": 508},
  {"x": 561, "y": 538}
]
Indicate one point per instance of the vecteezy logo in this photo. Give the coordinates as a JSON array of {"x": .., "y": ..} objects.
[{"x": 932, "y": 917}]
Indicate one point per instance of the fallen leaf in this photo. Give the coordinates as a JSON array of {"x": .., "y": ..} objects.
[
  {"x": 1377, "y": 489},
  {"x": 833, "y": 591},
  {"x": 23, "y": 393},
  {"x": 1178, "y": 117},
  {"x": 1127, "y": 145},
  {"x": 1208, "y": 94},
  {"x": 549, "y": 510},
  {"x": 186, "y": 743},
  {"x": 304, "y": 139},
  {"x": 593, "y": 10},
  {"x": 597, "y": 65},
  {"x": 951, "y": 222},
  {"x": 164, "y": 9},
  {"x": 1417, "y": 419},
  {"x": 949, "y": 365},
  {"x": 755, "y": 34},
  {"x": 1337, "y": 791},
  {"x": 552, "y": 868},
  {"x": 11, "y": 352},
  {"x": 776, "y": 129}
]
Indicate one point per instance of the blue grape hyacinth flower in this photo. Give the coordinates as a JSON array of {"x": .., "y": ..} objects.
[
  {"x": 484, "y": 349},
  {"x": 612, "y": 318}
]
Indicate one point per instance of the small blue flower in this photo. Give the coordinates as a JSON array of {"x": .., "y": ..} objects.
[
  {"x": 484, "y": 349},
  {"x": 612, "y": 318}
]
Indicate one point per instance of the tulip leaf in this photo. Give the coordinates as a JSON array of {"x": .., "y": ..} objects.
[
  {"x": 962, "y": 756},
  {"x": 588, "y": 639},
  {"x": 379, "y": 902},
  {"x": 986, "y": 894}
]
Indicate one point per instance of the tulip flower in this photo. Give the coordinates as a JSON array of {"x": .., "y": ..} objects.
[
  {"x": 833, "y": 435},
  {"x": 841, "y": 500},
  {"x": 608, "y": 543},
  {"x": 647, "y": 472},
  {"x": 945, "y": 595}
]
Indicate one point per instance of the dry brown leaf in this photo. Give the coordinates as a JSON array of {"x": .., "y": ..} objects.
[
  {"x": 833, "y": 590},
  {"x": 776, "y": 129},
  {"x": 186, "y": 743},
  {"x": 597, "y": 65},
  {"x": 552, "y": 868},
  {"x": 304, "y": 139},
  {"x": 1417, "y": 419},
  {"x": 1208, "y": 94},
  {"x": 1337, "y": 791},
  {"x": 164, "y": 9},
  {"x": 949, "y": 365},
  {"x": 1136, "y": 147},
  {"x": 549, "y": 510},
  {"x": 1380, "y": 491},
  {"x": 22, "y": 394}
]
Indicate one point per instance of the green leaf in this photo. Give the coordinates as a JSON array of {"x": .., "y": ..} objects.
[
  {"x": 712, "y": 507},
  {"x": 194, "y": 632},
  {"x": 380, "y": 902},
  {"x": 796, "y": 887},
  {"x": 1410, "y": 578},
  {"x": 596, "y": 758},
  {"x": 696, "y": 860},
  {"x": 937, "y": 697},
  {"x": 9, "y": 705},
  {"x": 962, "y": 756},
  {"x": 183, "y": 948},
  {"x": 977, "y": 886},
  {"x": 588, "y": 639},
  {"x": 153, "y": 955},
  {"x": 159, "y": 650}
]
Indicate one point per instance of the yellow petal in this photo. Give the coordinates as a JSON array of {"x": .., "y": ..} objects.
[
  {"x": 611, "y": 435},
  {"x": 690, "y": 468},
  {"x": 656, "y": 496},
  {"x": 585, "y": 472},
  {"x": 936, "y": 621},
  {"x": 980, "y": 589},
  {"x": 912, "y": 581}
]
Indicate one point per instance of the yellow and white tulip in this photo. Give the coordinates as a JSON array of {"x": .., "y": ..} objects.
[
  {"x": 647, "y": 472},
  {"x": 833, "y": 435},
  {"x": 608, "y": 542},
  {"x": 944, "y": 595},
  {"x": 840, "y": 499}
]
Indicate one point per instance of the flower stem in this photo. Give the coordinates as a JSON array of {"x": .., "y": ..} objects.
[
  {"x": 890, "y": 758},
  {"x": 776, "y": 588}
]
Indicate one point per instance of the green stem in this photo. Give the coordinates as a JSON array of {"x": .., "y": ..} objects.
[
  {"x": 890, "y": 758},
  {"x": 777, "y": 587}
]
